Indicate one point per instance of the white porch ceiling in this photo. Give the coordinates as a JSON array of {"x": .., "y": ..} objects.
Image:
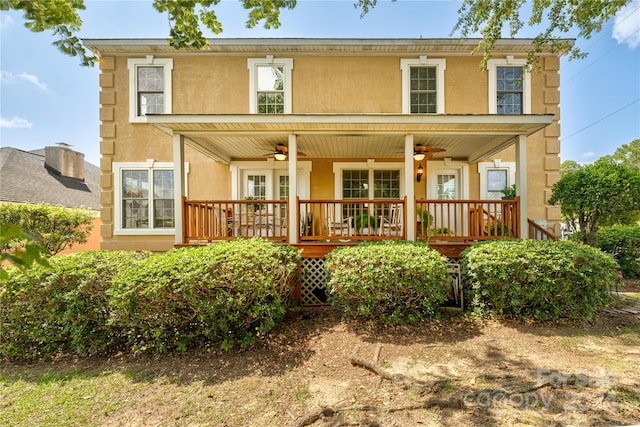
[{"x": 381, "y": 136}]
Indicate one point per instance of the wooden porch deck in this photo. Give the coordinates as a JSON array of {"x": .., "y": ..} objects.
[{"x": 449, "y": 226}]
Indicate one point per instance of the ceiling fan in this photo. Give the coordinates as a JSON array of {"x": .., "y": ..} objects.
[
  {"x": 280, "y": 152},
  {"x": 420, "y": 152}
]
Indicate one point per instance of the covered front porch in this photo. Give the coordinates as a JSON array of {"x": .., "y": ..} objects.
[
  {"x": 447, "y": 225},
  {"x": 300, "y": 213}
]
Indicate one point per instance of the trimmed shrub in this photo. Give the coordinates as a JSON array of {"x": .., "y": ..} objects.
[
  {"x": 395, "y": 282},
  {"x": 54, "y": 227},
  {"x": 228, "y": 292},
  {"x": 63, "y": 308},
  {"x": 542, "y": 280},
  {"x": 623, "y": 242}
]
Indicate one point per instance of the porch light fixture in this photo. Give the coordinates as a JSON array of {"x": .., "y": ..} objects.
[
  {"x": 420, "y": 172},
  {"x": 279, "y": 155},
  {"x": 419, "y": 152}
]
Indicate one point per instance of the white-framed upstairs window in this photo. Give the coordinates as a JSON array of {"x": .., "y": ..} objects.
[
  {"x": 144, "y": 198},
  {"x": 509, "y": 86},
  {"x": 423, "y": 85},
  {"x": 149, "y": 87},
  {"x": 270, "y": 85}
]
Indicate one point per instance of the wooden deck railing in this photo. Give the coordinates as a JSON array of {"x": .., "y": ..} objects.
[
  {"x": 207, "y": 221},
  {"x": 467, "y": 220},
  {"x": 537, "y": 232},
  {"x": 352, "y": 220}
]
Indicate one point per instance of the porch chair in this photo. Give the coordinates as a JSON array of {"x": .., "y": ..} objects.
[
  {"x": 391, "y": 225},
  {"x": 339, "y": 226}
]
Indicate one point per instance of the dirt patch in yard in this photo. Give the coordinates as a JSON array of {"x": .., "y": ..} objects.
[{"x": 320, "y": 371}]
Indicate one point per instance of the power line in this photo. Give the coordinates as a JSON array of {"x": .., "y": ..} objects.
[
  {"x": 582, "y": 70},
  {"x": 599, "y": 120}
]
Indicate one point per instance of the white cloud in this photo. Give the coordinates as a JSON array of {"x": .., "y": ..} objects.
[
  {"x": 626, "y": 28},
  {"x": 6, "y": 77},
  {"x": 588, "y": 154},
  {"x": 9, "y": 77},
  {"x": 14, "y": 123},
  {"x": 6, "y": 21},
  {"x": 32, "y": 79}
]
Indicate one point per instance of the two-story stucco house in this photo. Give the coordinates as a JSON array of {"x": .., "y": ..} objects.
[{"x": 323, "y": 142}]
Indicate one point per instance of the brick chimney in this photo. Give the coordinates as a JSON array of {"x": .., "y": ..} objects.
[{"x": 65, "y": 161}]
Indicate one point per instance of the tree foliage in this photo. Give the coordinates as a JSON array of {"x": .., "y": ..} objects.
[
  {"x": 187, "y": 18},
  {"x": 21, "y": 256},
  {"x": 52, "y": 227},
  {"x": 489, "y": 18},
  {"x": 628, "y": 154},
  {"x": 58, "y": 16},
  {"x": 601, "y": 193}
]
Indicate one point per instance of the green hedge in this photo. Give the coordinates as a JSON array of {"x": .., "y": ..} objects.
[
  {"x": 394, "y": 282},
  {"x": 542, "y": 280},
  {"x": 99, "y": 302},
  {"x": 623, "y": 242},
  {"x": 63, "y": 308},
  {"x": 228, "y": 292}
]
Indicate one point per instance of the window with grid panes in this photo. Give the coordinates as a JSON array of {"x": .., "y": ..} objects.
[
  {"x": 386, "y": 184},
  {"x": 257, "y": 186},
  {"x": 423, "y": 92},
  {"x": 355, "y": 184},
  {"x": 446, "y": 186},
  {"x": 142, "y": 209},
  {"x": 150, "y": 90},
  {"x": 509, "y": 90},
  {"x": 149, "y": 87},
  {"x": 163, "y": 205},
  {"x": 270, "y": 89}
]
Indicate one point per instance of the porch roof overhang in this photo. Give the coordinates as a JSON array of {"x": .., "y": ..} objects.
[{"x": 228, "y": 137}]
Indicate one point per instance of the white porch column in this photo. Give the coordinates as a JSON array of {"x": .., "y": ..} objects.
[
  {"x": 521, "y": 184},
  {"x": 409, "y": 188},
  {"x": 178, "y": 185},
  {"x": 292, "y": 219}
]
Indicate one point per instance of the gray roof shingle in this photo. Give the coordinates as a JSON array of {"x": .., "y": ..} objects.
[{"x": 25, "y": 178}]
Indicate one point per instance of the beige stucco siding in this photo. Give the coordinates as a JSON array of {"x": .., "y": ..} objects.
[{"x": 320, "y": 84}]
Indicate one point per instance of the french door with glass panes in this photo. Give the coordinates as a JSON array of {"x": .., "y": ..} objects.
[{"x": 445, "y": 184}]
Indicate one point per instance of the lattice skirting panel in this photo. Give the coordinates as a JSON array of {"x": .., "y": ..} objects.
[
  {"x": 314, "y": 279},
  {"x": 313, "y": 284}
]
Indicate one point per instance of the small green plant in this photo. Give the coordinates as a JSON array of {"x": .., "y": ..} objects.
[
  {"x": 509, "y": 191},
  {"x": 364, "y": 221},
  {"x": 255, "y": 206}
]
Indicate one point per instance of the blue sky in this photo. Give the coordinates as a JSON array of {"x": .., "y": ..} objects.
[{"x": 47, "y": 97}]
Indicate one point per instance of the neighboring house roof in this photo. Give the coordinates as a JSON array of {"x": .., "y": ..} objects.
[{"x": 24, "y": 177}]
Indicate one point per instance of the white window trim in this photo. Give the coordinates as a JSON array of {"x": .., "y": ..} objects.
[
  {"x": 369, "y": 165},
  {"x": 483, "y": 167},
  {"x": 492, "y": 68},
  {"x": 149, "y": 165},
  {"x": 239, "y": 170},
  {"x": 132, "y": 65},
  {"x": 253, "y": 64},
  {"x": 405, "y": 66}
]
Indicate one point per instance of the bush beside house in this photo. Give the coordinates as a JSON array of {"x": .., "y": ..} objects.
[
  {"x": 394, "y": 282},
  {"x": 623, "y": 243},
  {"x": 542, "y": 280},
  {"x": 99, "y": 302}
]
